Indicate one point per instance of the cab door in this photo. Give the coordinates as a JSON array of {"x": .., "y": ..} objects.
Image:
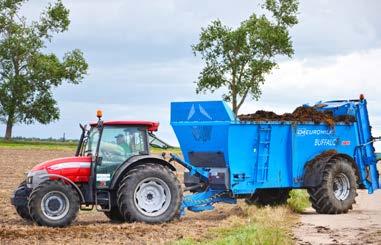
[{"x": 117, "y": 145}]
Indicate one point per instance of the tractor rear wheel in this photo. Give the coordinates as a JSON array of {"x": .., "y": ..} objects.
[
  {"x": 54, "y": 204},
  {"x": 270, "y": 197},
  {"x": 23, "y": 192},
  {"x": 337, "y": 192},
  {"x": 150, "y": 193}
]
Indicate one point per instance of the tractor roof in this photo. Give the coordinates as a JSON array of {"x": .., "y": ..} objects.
[{"x": 151, "y": 126}]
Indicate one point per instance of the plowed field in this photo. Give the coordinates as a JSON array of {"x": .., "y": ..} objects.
[{"x": 90, "y": 227}]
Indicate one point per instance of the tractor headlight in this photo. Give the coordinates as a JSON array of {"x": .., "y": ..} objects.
[
  {"x": 34, "y": 178},
  {"x": 29, "y": 180}
]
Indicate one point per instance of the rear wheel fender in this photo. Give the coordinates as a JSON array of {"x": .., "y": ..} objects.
[{"x": 132, "y": 163}]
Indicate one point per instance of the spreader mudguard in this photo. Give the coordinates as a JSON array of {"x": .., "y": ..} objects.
[{"x": 313, "y": 174}]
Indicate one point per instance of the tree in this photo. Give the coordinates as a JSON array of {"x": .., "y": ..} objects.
[
  {"x": 27, "y": 75},
  {"x": 238, "y": 59}
]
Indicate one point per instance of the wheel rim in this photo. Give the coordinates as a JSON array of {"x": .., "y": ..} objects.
[
  {"x": 341, "y": 186},
  {"x": 152, "y": 197},
  {"x": 55, "y": 205}
]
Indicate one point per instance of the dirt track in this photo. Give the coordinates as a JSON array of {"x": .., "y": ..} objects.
[{"x": 362, "y": 225}]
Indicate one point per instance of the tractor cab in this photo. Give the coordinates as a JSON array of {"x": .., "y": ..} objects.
[{"x": 112, "y": 143}]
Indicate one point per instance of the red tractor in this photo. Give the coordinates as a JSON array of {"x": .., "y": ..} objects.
[{"x": 112, "y": 170}]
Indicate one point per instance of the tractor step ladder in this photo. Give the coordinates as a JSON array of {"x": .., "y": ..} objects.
[
  {"x": 263, "y": 152},
  {"x": 101, "y": 200}
]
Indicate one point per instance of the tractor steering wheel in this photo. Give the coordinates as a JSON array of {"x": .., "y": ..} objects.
[{"x": 106, "y": 154}]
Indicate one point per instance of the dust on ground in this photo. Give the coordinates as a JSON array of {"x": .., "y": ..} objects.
[
  {"x": 90, "y": 227},
  {"x": 300, "y": 114},
  {"x": 362, "y": 225}
]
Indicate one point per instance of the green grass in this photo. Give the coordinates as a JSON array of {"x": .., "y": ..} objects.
[
  {"x": 174, "y": 150},
  {"x": 299, "y": 200},
  {"x": 266, "y": 225},
  {"x": 50, "y": 145},
  {"x": 250, "y": 234},
  {"x": 256, "y": 225}
]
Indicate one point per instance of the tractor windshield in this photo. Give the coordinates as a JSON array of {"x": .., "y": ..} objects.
[
  {"x": 91, "y": 140},
  {"x": 122, "y": 142},
  {"x": 118, "y": 142}
]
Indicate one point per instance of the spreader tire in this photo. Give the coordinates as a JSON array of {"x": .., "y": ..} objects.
[
  {"x": 272, "y": 197},
  {"x": 150, "y": 193},
  {"x": 337, "y": 192},
  {"x": 22, "y": 210},
  {"x": 53, "y": 204}
]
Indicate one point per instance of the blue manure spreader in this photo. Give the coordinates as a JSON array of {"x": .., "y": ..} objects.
[{"x": 262, "y": 161}]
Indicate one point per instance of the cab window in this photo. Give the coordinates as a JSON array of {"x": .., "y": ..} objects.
[{"x": 117, "y": 145}]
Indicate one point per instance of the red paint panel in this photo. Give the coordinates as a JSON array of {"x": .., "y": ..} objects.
[
  {"x": 76, "y": 169},
  {"x": 151, "y": 126}
]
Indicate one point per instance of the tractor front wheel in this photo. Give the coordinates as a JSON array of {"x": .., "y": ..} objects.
[
  {"x": 53, "y": 204},
  {"x": 22, "y": 193},
  {"x": 337, "y": 191},
  {"x": 150, "y": 193}
]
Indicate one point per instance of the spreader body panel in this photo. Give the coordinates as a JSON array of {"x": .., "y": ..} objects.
[{"x": 269, "y": 154}]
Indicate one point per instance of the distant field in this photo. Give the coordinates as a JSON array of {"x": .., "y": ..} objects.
[
  {"x": 21, "y": 144},
  {"x": 56, "y": 145}
]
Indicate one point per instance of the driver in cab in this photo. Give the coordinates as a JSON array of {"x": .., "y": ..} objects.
[
  {"x": 121, "y": 141},
  {"x": 117, "y": 149}
]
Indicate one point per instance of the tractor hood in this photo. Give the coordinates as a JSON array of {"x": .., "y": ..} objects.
[
  {"x": 64, "y": 164},
  {"x": 76, "y": 169}
]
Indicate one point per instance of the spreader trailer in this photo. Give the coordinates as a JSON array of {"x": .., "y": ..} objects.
[
  {"x": 225, "y": 158},
  {"x": 262, "y": 161}
]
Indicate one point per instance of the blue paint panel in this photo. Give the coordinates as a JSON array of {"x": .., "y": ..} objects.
[{"x": 200, "y": 111}]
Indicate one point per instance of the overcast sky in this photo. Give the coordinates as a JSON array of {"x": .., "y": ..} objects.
[{"x": 140, "y": 59}]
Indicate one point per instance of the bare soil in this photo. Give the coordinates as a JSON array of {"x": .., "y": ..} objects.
[
  {"x": 362, "y": 225},
  {"x": 90, "y": 227},
  {"x": 300, "y": 114}
]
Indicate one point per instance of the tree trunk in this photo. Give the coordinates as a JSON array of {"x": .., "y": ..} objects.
[
  {"x": 235, "y": 109},
  {"x": 8, "y": 132},
  {"x": 234, "y": 103}
]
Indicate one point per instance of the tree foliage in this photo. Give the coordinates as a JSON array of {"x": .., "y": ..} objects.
[
  {"x": 238, "y": 59},
  {"x": 27, "y": 74}
]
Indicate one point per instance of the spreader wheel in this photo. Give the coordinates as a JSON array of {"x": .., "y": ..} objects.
[
  {"x": 54, "y": 204},
  {"x": 337, "y": 191},
  {"x": 150, "y": 193},
  {"x": 270, "y": 197}
]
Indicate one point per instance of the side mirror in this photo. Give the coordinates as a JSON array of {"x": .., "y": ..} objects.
[{"x": 99, "y": 161}]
